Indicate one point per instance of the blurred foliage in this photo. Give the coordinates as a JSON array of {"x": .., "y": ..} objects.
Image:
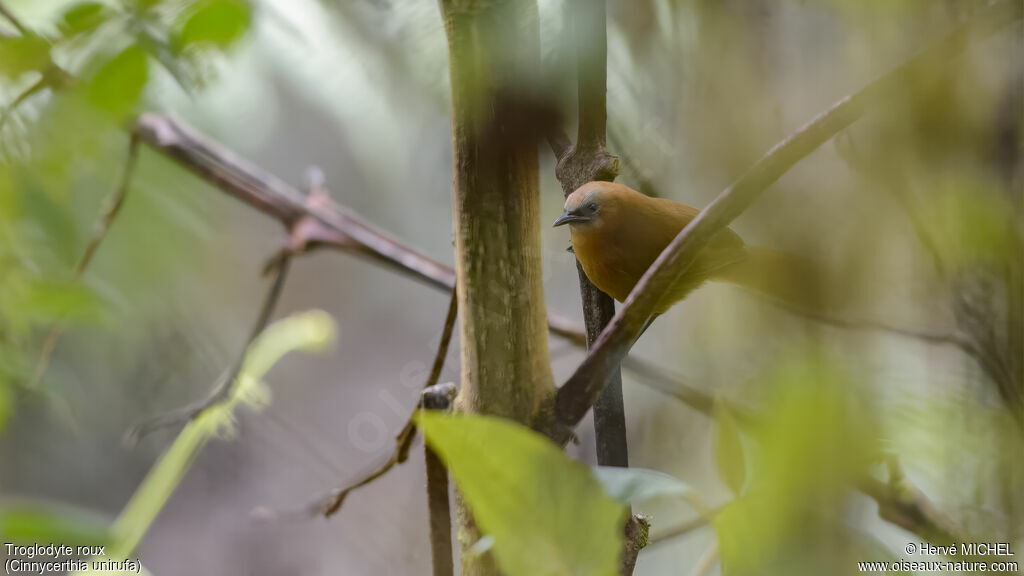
[
  {"x": 635, "y": 485},
  {"x": 69, "y": 86},
  {"x": 729, "y": 450},
  {"x": 814, "y": 445},
  {"x": 528, "y": 496},
  {"x": 27, "y": 522}
]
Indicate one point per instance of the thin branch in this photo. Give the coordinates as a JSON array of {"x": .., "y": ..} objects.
[
  {"x": 102, "y": 227},
  {"x": 14, "y": 20},
  {"x": 906, "y": 506},
  {"x": 637, "y": 537},
  {"x": 588, "y": 160},
  {"x": 403, "y": 442},
  {"x": 583, "y": 388},
  {"x": 439, "y": 398},
  {"x": 322, "y": 222},
  {"x": 225, "y": 383},
  {"x": 956, "y": 338},
  {"x": 32, "y": 90}
]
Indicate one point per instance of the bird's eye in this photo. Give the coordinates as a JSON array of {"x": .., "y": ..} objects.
[{"x": 592, "y": 206}]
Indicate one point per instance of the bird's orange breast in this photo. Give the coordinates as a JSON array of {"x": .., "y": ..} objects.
[{"x": 616, "y": 253}]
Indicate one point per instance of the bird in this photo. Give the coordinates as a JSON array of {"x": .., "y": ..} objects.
[{"x": 617, "y": 233}]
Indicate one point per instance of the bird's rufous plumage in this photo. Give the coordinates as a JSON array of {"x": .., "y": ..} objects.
[{"x": 617, "y": 233}]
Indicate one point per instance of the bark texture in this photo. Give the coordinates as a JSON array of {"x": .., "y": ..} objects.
[{"x": 494, "y": 59}]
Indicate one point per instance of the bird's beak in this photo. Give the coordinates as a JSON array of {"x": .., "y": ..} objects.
[{"x": 569, "y": 218}]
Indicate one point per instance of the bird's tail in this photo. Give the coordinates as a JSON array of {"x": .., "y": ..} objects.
[{"x": 796, "y": 280}]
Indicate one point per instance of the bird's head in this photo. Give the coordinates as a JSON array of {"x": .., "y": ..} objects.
[{"x": 589, "y": 205}]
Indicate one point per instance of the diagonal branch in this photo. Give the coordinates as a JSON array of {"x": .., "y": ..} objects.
[
  {"x": 324, "y": 222},
  {"x": 582, "y": 389},
  {"x": 403, "y": 442},
  {"x": 14, "y": 20},
  {"x": 225, "y": 384},
  {"x": 114, "y": 204}
]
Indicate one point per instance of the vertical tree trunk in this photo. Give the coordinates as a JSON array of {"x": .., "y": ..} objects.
[{"x": 494, "y": 50}]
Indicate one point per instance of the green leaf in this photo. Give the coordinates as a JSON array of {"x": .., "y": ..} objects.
[
  {"x": 217, "y": 22},
  {"x": 117, "y": 86},
  {"x": 83, "y": 17},
  {"x": 28, "y": 522},
  {"x": 632, "y": 485},
  {"x": 548, "y": 515},
  {"x": 729, "y": 450},
  {"x": 21, "y": 54}
]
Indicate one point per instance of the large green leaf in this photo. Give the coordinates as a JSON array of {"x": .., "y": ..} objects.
[{"x": 548, "y": 515}]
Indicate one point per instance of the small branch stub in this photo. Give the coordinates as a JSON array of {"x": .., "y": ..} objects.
[{"x": 440, "y": 398}]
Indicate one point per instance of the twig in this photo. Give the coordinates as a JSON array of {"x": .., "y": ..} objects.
[
  {"x": 403, "y": 442},
  {"x": 637, "y": 538},
  {"x": 102, "y": 227},
  {"x": 439, "y": 397},
  {"x": 907, "y": 507},
  {"x": 324, "y": 222},
  {"x": 14, "y": 20},
  {"x": 225, "y": 383},
  {"x": 20, "y": 99},
  {"x": 583, "y": 388},
  {"x": 932, "y": 337}
]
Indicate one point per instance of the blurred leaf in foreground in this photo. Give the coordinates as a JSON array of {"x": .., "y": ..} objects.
[
  {"x": 26, "y": 522},
  {"x": 814, "y": 445},
  {"x": 634, "y": 485},
  {"x": 548, "y": 515}
]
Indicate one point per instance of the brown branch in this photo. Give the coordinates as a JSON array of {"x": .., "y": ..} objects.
[
  {"x": 403, "y": 442},
  {"x": 114, "y": 204},
  {"x": 320, "y": 221},
  {"x": 440, "y": 398},
  {"x": 582, "y": 389}
]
